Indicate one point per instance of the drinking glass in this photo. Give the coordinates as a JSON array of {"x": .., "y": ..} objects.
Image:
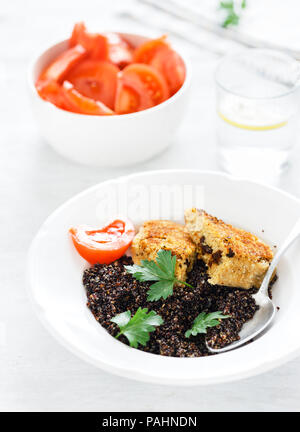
[{"x": 257, "y": 113}]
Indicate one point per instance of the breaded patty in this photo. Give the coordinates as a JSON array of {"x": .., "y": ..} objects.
[
  {"x": 163, "y": 234},
  {"x": 234, "y": 257}
]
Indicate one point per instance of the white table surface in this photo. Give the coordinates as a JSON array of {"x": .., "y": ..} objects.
[{"x": 36, "y": 372}]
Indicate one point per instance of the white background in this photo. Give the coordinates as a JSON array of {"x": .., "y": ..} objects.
[{"x": 36, "y": 373}]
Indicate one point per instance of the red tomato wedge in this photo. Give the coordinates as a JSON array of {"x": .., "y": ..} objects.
[
  {"x": 64, "y": 63},
  {"x": 128, "y": 101},
  {"x": 96, "y": 80},
  {"x": 78, "y": 30},
  {"x": 82, "y": 104},
  {"x": 146, "y": 51},
  {"x": 51, "y": 92},
  {"x": 103, "y": 245},
  {"x": 95, "y": 43},
  {"x": 159, "y": 54},
  {"x": 171, "y": 66},
  {"x": 120, "y": 52},
  {"x": 140, "y": 87}
]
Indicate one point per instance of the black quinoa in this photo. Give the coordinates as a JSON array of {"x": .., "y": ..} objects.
[{"x": 111, "y": 290}]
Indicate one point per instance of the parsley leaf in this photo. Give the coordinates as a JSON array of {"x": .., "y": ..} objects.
[
  {"x": 137, "y": 328},
  {"x": 203, "y": 321},
  {"x": 163, "y": 288},
  {"x": 232, "y": 18},
  {"x": 162, "y": 271},
  {"x": 227, "y": 5}
]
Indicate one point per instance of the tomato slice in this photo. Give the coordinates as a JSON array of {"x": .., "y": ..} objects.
[
  {"x": 158, "y": 53},
  {"x": 120, "y": 52},
  {"x": 171, "y": 66},
  {"x": 146, "y": 51},
  {"x": 64, "y": 63},
  {"x": 128, "y": 101},
  {"x": 103, "y": 245},
  {"x": 82, "y": 104},
  {"x": 140, "y": 87},
  {"x": 78, "y": 30},
  {"x": 51, "y": 91},
  {"x": 95, "y": 43},
  {"x": 96, "y": 80}
]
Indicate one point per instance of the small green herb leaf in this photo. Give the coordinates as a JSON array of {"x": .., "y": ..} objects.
[
  {"x": 122, "y": 319},
  {"x": 166, "y": 262},
  {"x": 203, "y": 321},
  {"x": 142, "y": 274},
  {"x": 160, "y": 289},
  {"x": 232, "y": 18},
  {"x": 162, "y": 271},
  {"x": 137, "y": 328},
  {"x": 226, "y": 5}
]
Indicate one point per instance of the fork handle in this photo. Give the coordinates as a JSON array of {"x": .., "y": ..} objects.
[{"x": 293, "y": 236}]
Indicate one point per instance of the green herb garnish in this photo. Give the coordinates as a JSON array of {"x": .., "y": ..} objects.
[
  {"x": 203, "y": 321},
  {"x": 232, "y": 18},
  {"x": 137, "y": 328},
  {"x": 162, "y": 271}
]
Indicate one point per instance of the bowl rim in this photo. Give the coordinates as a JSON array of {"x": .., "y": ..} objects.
[
  {"x": 170, "y": 100},
  {"x": 124, "y": 372}
]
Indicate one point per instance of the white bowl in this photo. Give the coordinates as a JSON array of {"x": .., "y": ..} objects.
[
  {"x": 107, "y": 140},
  {"x": 55, "y": 274}
]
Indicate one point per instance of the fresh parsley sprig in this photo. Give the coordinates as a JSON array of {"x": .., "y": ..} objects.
[
  {"x": 162, "y": 271},
  {"x": 138, "y": 327},
  {"x": 232, "y": 18},
  {"x": 203, "y": 321}
]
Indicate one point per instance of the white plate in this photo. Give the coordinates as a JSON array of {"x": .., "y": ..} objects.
[{"x": 55, "y": 273}]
